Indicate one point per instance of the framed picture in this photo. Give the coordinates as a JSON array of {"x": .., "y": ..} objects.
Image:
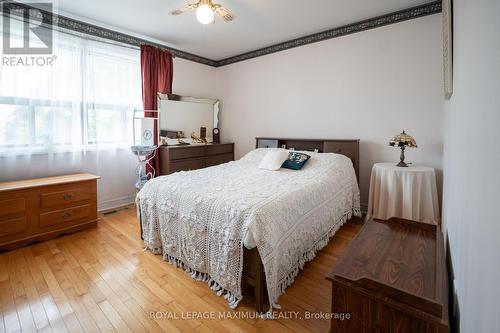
[
  {"x": 144, "y": 123},
  {"x": 448, "y": 47},
  {"x": 147, "y": 127}
]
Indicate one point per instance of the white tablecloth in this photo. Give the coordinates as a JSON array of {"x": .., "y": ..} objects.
[{"x": 409, "y": 193}]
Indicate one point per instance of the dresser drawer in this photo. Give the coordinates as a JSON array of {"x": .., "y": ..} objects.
[
  {"x": 219, "y": 159},
  {"x": 41, "y": 208},
  {"x": 219, "y": 149},
  {"x": 187, "y": 165},
  {"x": 72, "y": 194},
  {"x": 186, "y": 152},
  {"x": 64, "y": 216},
  {"x": 12, "y": 206},
  {"x": 192, "y": 157},
  {"x": 13, "y": 226}
]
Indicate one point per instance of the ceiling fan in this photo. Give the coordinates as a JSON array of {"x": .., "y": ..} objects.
[{"x": 205, "y": 11}]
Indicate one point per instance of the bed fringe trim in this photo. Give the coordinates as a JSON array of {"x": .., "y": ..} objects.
[
  {"x": 217, "y": 288},
  {"x": 306, "y": 257},
  {"x": 234, "y": 300}
]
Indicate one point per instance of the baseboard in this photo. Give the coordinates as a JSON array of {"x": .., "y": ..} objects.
[
  {"x": 113, "y": 204},
  {"x": 364, "y": 208}
]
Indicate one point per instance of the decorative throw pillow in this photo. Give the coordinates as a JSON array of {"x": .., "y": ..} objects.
[
  {"x": 273, "y": 160},
  {"x": 295, "y": 161}
]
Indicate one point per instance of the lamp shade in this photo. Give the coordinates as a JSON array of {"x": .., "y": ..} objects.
[{"x": 403, "y": 140}]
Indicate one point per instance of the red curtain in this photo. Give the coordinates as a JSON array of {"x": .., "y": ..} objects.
[{"x": 157, "y": 76}]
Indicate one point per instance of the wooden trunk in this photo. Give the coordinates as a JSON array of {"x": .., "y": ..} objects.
[
  {"x": 40, "y": 209},
  {"x": 392, "y": 278}
]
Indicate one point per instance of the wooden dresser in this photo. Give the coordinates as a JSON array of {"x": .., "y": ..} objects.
[
  {"x": 392, "y": 278},
  {"x": 184, "y": 158},
  {"x": 39, "y": 209}
]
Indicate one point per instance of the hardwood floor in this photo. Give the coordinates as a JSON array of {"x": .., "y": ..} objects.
[{"x": 99, "y": 280}]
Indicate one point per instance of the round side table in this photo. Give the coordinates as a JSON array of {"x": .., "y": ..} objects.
[{"x": 409, "y": 193}]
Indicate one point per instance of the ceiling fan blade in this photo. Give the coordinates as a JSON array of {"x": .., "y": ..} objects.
[
  {"x": 224, "y": 13},
  {"x": 184, "y": 9}
]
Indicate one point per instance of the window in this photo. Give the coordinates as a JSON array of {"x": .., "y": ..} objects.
[{"x": 84, "y": 99}]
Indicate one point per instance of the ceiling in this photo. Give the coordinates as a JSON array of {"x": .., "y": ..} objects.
[{"x": 258, "y": 23}]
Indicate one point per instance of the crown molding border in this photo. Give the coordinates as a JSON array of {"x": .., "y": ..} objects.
[
  {"x": 395, "y": 17},
  {"x": 61, "y": 21},
  {"x": 52, "y": 19}
]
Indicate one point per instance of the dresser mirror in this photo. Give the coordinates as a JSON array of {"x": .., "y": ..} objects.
[{"x": 182, "y": 116}]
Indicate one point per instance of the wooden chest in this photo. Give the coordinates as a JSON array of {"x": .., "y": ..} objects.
[
  {"x": 43, "y": 208},
  {"x": 392, "y": 278},
  {"x": 192, "y": 157}
]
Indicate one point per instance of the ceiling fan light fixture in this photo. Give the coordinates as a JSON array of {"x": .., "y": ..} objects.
[{"x": 205, "y": 14}]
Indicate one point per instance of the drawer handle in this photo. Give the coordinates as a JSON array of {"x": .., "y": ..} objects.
[
  {"x": 67, "y": 196},
  {"x": 66, "y": 215}
]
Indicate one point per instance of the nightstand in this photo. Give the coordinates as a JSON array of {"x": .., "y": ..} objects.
[{"x": 409, "y": 193}]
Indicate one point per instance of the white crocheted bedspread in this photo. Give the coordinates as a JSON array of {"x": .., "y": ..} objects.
[{"x": 199, "y": 219}]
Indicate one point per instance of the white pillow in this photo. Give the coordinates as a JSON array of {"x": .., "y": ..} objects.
[{"x": 273, "y": 160}]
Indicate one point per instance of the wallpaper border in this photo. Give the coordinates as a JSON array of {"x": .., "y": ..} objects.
[
  {"x": 64, "y": 22},
  {"x": 93, "y": 30},
  {"x": 403, "y": 15}
]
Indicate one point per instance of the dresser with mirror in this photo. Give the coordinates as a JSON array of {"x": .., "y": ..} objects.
[{"x": 183, "y": 145}]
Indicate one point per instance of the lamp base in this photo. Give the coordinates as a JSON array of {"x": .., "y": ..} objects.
[{"x": 402, "y": 158}]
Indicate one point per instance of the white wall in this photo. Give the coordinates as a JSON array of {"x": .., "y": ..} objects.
[
  {"x": 471, "y": 164},
  {"x": 369, "y": 85},
  {"x": 193, "y": 79}
]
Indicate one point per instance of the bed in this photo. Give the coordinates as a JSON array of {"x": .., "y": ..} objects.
[{"x": 236, "y": 224}]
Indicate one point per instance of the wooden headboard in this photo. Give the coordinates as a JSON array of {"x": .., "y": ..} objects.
[{"x": 349, "y": 148}]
